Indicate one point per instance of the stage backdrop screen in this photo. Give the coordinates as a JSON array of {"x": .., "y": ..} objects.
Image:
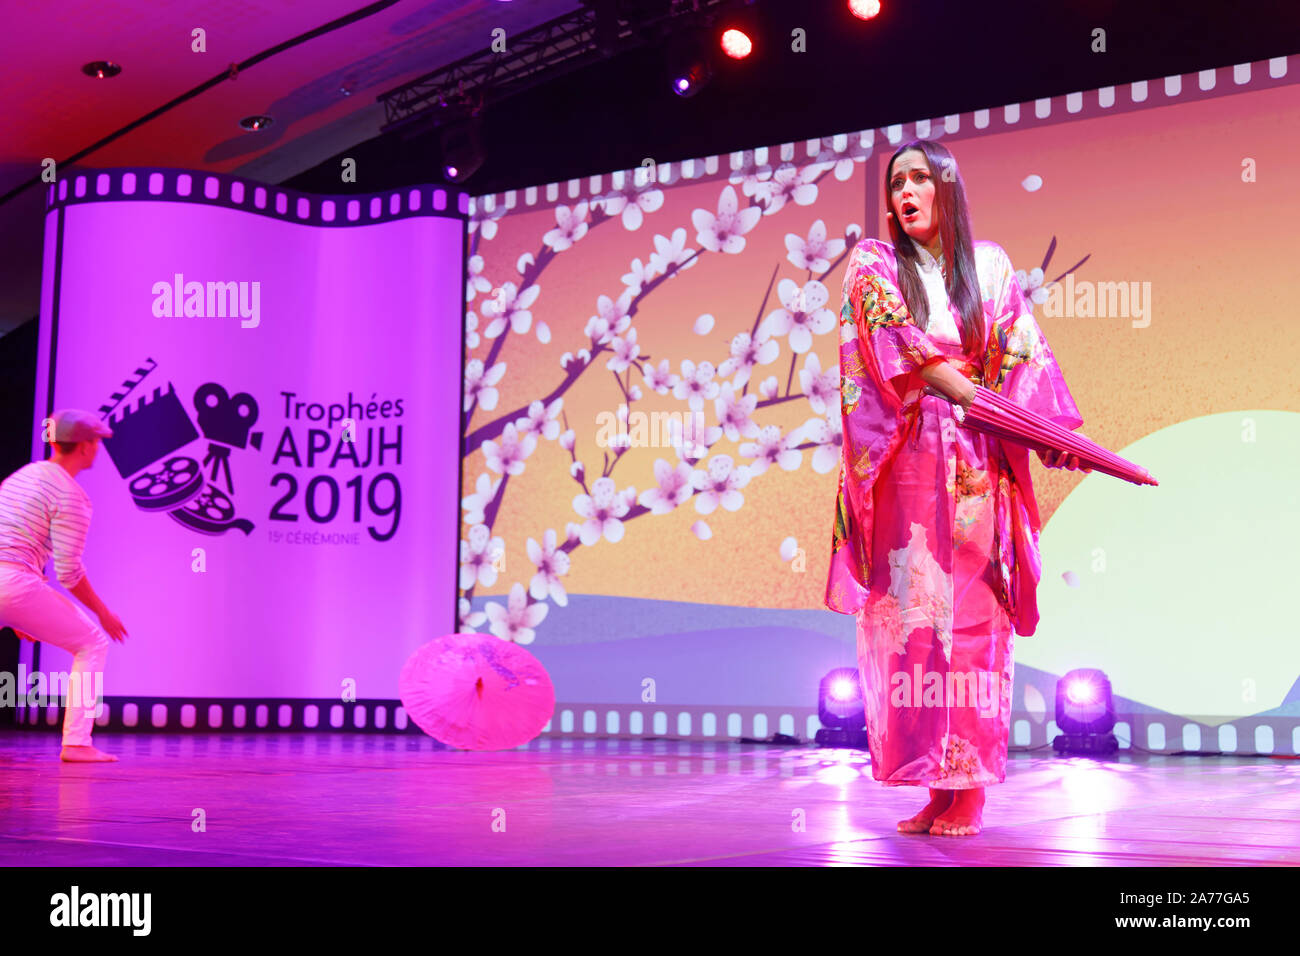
[
  {"x": 682, "y": 584},
  {"x": 275, "y": 513}
]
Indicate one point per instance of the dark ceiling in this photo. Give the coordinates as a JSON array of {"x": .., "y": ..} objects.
[{"x": 917, "y": 59}]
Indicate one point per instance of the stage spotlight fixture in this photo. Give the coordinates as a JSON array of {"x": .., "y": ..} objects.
[
  {"x": 255, "y": 123},
  {"x": 462, "y": 150},
  {"x": 689, "y": 69},
  {"x": 841, "y": 710},
  {"x": 101, "y": 69},
  {"x": 864, "y": 9},
  {"x": 1085, "y": 712}
]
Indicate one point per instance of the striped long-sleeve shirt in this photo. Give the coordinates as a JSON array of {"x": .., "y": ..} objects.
[{"x": 44, "y": 510}]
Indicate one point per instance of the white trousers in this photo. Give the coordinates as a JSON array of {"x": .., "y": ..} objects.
[{"x": 28, "y": 603}]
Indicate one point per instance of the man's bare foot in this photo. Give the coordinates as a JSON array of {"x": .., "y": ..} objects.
[
  {"x": 939, "y": 801},
  {"x": 86, "y": 754},
  {"x": 964, "y": 817}
]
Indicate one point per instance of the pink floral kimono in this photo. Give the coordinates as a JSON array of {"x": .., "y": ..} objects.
[{"x": 935, "y": 545}]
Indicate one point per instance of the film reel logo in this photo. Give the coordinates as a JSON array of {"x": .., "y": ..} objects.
[{"x": 147, "y": 434}]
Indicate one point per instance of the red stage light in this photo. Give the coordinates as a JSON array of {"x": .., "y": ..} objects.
[
  {"x": 864, "y": 9},
  {"x": 736, "y": 44}
]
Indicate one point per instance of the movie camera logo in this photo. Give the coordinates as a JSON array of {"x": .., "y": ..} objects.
[{"x": 147, "y": 435}]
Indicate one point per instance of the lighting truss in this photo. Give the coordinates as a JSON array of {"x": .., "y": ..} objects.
[{"x": 548, "y": 51}]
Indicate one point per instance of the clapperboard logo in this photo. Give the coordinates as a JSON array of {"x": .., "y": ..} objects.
[{"x": 149, "y": 433}]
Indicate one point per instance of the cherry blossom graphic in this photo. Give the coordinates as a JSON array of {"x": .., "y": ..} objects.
[{"x": 718, "y": 443}]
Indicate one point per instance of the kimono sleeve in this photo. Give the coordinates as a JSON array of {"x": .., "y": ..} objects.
[
  {"x": 1020, "y": 363},
  {"x": 871, "y": 410},
  {"x": 874, "y": 305}
]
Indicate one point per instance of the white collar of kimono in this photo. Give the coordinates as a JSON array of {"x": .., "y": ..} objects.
[{"x": 927, "y": 261}]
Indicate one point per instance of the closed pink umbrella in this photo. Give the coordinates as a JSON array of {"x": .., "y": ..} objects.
[
  {"x": 994, "y": 414},
  {"x": 477, "y": 692}
]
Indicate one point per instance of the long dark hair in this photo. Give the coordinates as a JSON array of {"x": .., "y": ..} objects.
[{"x": 962, "y": 281}]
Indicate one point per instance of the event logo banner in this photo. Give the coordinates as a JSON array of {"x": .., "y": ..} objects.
[{"x": 282, "y": 382}]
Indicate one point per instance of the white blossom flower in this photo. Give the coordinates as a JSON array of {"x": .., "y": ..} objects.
[
  {"x": 733, "y": 413},
  {"x": 485, "y": 489},
  {"x": 541, "y": 419},
  {"x": 821, "y": 388},
  {"x": 479, "y": 384},
  {"x": 1031, "y": 284},
  {"x": 602, "y": 508},
  {"x": 815, "y": 252},
  {"x": 484, "y": 220},
  {"x": 720, "y": 485},
  {"x": 638, "y": 276},
  {"x": 468, "y": 619},
  {"x": 631, "y": 201},
  {"x": 672, "y": 253},
  {"x": 773, "y": 448},
  {"x": 841, "y": 161},
  {"x": 478, "y": 556},
  {"x": 612, "y": 318},
  {"x": 510, "y": 306},
  {"x": 746, "y": 352},
  {"x": 725, "y": 232},
  {"x": 571, "y": 225},
  {"x": 828, "y": 435},
  {"x": 471, "y": 330},
  {"x": 697, "y": 383},
  {"x": 702, "y": 531},
  {"x": 803, "y": 313},
  {"x": 552, "y": 564},
  {"x": 508, "y": 457},
  {"x": 789, "y": 182},
  {"x": 475, "y": 281},
  {"x": 674, "y": 487},
  {"x": 692, "y": 437},
  {"x": 660, "y": 377},
  {"x": 770, "y": 387},
  {"x": 750, "y": 176},
  {"x": 625, "y": 352},
  {"x": 515, "y": 621}
]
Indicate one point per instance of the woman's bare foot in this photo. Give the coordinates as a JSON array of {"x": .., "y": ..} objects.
[
  {"x": 86, "y": 754},
  {"x": 939, "y": 801},
  {"x": 964, "y": 817}
]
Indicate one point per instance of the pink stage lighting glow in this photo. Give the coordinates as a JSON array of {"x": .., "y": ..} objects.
[
  {"x": 864, "y": 9},
  {"x": 843, "y": 690},
  {"x": 736, "y": 44},
  {"x": 1081, "y": 692}
]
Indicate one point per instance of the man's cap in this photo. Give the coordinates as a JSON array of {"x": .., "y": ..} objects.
[{"x": 72, "y": 424}]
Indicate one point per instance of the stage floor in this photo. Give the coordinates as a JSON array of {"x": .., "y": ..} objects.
[{"x": 369, "y": 800}]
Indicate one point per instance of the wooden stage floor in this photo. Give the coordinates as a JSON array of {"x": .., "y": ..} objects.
[{"x": 371, "y": 800}]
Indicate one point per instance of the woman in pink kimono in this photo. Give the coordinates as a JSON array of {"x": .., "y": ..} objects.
[{"x": 935, "y": 547}]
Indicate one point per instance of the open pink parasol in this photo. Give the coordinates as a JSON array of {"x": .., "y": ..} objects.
[
  {"x": 477, "y": 692},
  {"x": 994, "y": 414}
]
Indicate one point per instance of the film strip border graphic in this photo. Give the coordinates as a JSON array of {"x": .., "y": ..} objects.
[
  {"x": 1161, "y": 733},
  {"x": 1138, "y": 95},
  {"x": 147, "y": 184}
]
